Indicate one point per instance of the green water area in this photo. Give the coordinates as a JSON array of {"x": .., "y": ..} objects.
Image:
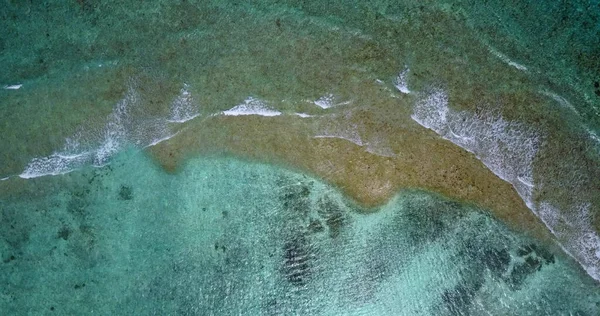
[{"x": 299, "y": 157}]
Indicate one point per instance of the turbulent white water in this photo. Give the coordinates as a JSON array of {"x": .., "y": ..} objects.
[
  {"x": 184, "y": 108},
  {"x": 328, "y": 101},
  {"x": 508, "y": 149},
  {"x": 575, "y": 232},
  {"x": 401, "y": 81},
  {"x": 13, "y": 87},
  {"x": 122, "y": 128},
  {"x": 252, "y": 106}
]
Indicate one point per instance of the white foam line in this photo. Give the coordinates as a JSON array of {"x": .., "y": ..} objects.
[
  {"x": 328, "y": 101},
  {"x": 401, "y": 81},
  {"x": 303, "y": 115},
  {"x": 181, "y": 121},
  {"x": 31, "y": 176},
  {"x": 325, "y": 102},
  {"x": 507, "y": 60},
  {"x": 160, "y": 140},
  {"x": 518, "y": 66},
  {"x": 236, "y": 112},
  {"x": 593, "y": 135},
  {"x": 13, "y": 87},
  {"x": 46, "y": 166},
  {"x": 367, "y": 147},
  {"x": 527, "y": 183},
  {"x": 355, "y": 142},
  {"x": 560, "y": 100},
  {"x": 459, "y": 136},
  {"x": 386, "y": 152},
  {"x": 251, "y": 106},
  {"x": 507, "y": 149},
  {"x": 72, "y": 156}
]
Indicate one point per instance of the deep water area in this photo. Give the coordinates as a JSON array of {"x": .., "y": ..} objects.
[{"x": 230, "y": 237}]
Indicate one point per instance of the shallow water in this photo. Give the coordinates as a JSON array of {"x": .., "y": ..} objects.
[
  {"x": 226, "y": 237},
  {"x": 462, "y": 132}
]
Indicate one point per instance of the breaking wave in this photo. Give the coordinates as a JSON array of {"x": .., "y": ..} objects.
[
  {"x": 252, "y": 106},
  {"x": 508, "y": 149},
  {"x": 124, "y": 127}
]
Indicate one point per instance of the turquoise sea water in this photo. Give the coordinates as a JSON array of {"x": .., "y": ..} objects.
[
  {"x": 229, "y": 237},
  {"x": 90, "y": 224}
]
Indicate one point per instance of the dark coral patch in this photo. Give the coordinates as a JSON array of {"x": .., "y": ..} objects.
[
  {"x": 125, "y": 193},
  {"x": 295, "y": 197},
  {"x": 296, "y": 264},
  {"x": 64, "y": 233},
  {"x": 496, "y": 261},
  {"x": 534, "y": 258},
  {"x": 333, "y": 215},
  {"x": 459, "y": 299}
]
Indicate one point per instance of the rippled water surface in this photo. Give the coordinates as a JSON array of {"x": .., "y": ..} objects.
[{"x": 297, "y": 157}]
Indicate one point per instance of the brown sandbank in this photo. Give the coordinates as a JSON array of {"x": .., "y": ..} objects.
[{"x": 421, "y": 159}]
